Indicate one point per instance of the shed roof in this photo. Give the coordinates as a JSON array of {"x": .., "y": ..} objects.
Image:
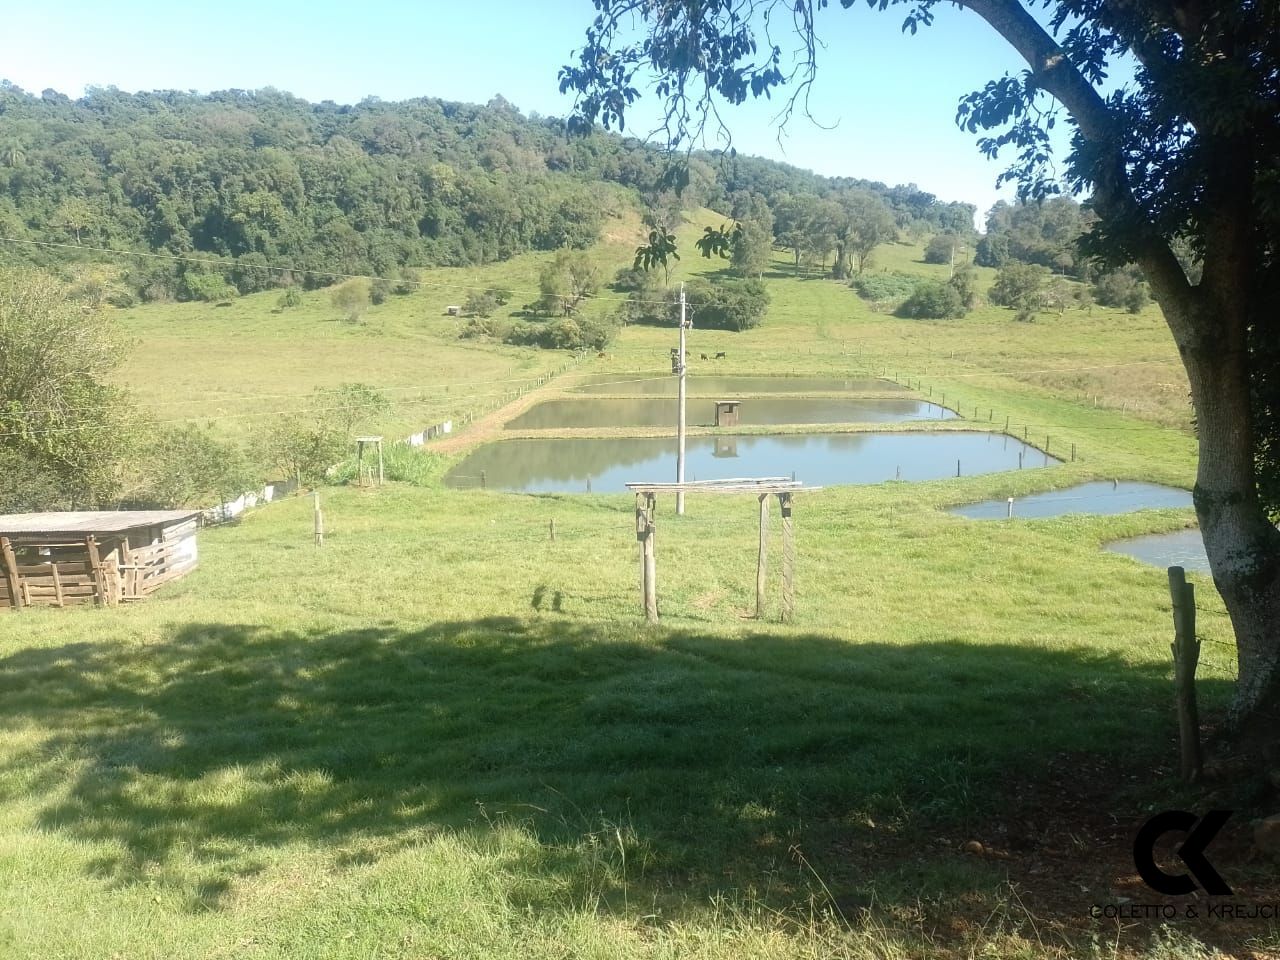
[{"x": 83, "y": 522}]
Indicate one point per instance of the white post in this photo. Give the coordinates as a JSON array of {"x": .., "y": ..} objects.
[{"x": 680, "y": 413}]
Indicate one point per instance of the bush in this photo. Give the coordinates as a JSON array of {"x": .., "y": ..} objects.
[
  {"x": 209, "y": 287},
  {"x": 379, "y": 291},
  {"x": 401, "y": 463},
  {"x": 480, "y": 328},
  {"x": 292, "y": 297},
  {"x": 933, "y": 300},
  {"x": 479, "y": 304},
  {"x": 945, "y": 248},
  {"x": 1019, "y": 286},
  {"x": 735, "y": 305},
  {"x": 630, "y": 279},
  {"x": 885, "y": 287},
  {"x": 189, "y": 467},
  {"x": 501, "y": 295},
  {"x": 408, "y": 282},
  {"x": 566, "y": 333},
  {"x": 351, "y": 299},
  {"x": 1122, "y": 288},
  {"x": 30, "y": 486}
]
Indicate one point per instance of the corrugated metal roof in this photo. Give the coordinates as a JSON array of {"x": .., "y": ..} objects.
[{"x": 89, "y": 521}]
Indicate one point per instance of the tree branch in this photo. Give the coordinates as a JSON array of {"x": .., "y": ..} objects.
[{"x": 1054, "y": 73}]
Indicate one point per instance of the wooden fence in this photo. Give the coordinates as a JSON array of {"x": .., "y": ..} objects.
[{"x": 88, "y": 570}]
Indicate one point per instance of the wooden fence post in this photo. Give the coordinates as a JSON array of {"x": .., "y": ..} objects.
[
  {"x": 1186, "y": 656},
  {"x": 762, "y": 558},
  {"x": 95, "y": 567},
  {"x": 11, "y": 574},
  {"x": 646, "y": 512},
  {"x": 319, "y": 518},
  {"x": 788, "y": 559},
  {"x": 651, "y": 561},
  {"x": 553, "y": 529}
]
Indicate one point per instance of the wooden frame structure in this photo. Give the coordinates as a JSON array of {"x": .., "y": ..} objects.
[
  {"x": 100, "y": 557},
  {"x": 727, "y": 412},
  {"x": 783, "y": 488},
  {"x": 361, "y": 443}
]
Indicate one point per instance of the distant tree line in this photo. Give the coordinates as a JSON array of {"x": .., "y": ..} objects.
[{"x": 266, "y": 180}]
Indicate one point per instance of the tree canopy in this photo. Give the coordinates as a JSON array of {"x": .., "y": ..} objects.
[{"x": 277, "y": 191}]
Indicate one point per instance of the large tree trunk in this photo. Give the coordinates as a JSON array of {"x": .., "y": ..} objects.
[{"x": 1242, "y": 545}]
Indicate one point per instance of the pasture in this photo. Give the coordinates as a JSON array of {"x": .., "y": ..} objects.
[{"x": 445, "y": 734}]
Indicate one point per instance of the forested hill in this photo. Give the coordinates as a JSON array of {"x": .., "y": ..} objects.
[{"x": 263, "y": 177}]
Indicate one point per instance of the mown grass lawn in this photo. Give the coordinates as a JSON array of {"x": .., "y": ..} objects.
[{"x": 445, "y": 735}]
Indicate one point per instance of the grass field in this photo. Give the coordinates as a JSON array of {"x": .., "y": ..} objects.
[
  {"x": 445, "y": 735},
  {"x": 240, "y": 365}
]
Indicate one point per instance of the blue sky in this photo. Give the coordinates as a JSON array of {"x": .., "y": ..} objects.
[{"x": 890, "y": 96}]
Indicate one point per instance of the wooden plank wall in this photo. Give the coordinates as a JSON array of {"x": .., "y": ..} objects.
[
  {"x": 104, "y": 572},
  {"x": 63, "y": 582},
  {"x": 152, "y": 566}
]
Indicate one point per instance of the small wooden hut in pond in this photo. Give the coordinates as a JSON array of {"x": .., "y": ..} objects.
[
  {"x": 101, "y": 557},
  {"x": 727, "y": 412}
]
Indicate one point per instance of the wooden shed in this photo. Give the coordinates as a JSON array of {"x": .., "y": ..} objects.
[
  {"x": 101, "y": 557},
  {"x": 727, "y": 412}
]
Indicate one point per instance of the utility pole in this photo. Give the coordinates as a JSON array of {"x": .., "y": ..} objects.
[{"x": 680, "y": 414}]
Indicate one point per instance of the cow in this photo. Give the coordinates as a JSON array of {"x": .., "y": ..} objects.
[{"x": 720, "y": 355}]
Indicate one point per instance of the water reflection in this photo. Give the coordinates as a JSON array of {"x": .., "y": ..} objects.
[
  {"x": 653, "y": 385},
  {"x": 563, "y": 465},
  {"x": 654, "y": 412},
  {"x": 1105, "y": 497}
]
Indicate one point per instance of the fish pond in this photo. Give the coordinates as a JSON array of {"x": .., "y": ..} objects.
[
  {"x": 656, "y": 412},
  {"x": 1105, "y": 497},
  {"x": 600, "y": 465},
  {"x": 1182, "y": 548},
  {"x": 650, "y": 385}
]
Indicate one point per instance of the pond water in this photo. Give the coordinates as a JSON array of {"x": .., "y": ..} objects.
[
  {"x": 1182, "y": 548},
  {"x": 656, "y": 385},
  {"x": 1104, "y": 497},
  {"x": 655, "y": 412},
  {"x": 602, "y": 465}
]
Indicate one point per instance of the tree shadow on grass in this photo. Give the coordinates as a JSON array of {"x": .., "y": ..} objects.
[{"x": 712, "y": 755}]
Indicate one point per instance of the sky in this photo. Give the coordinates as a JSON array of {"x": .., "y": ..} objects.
[{"x": 886, "y": 100}]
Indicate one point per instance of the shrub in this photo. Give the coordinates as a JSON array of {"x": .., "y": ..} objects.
[
  {"x": 402, "y": 464},
  {"x": 351, "y": 299},
  {"x": 479, "y": 304},
  {"x": 1121, "y": 288},
  {"x": 565, "y": 333},
  {"x": 379, "y": 291},
  {"x": 630, "y": 279},
  {"x": 292, "y": 297},
  {"x": 209, "y": 287},
  {"x": 1020, "y": 286},
  {"x": 945, "y": 248},
  {"x": 735, "y": 305},
  {"x": 479, "y": 328},
  {"x": 189, "y": 467},
  {"x": 885, "y": 287},
  {"x": 933, "y": 300},
  {"x": 408, "y": 282}
]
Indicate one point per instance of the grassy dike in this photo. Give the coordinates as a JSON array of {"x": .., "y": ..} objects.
[{"x": 445, "y": 735}]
